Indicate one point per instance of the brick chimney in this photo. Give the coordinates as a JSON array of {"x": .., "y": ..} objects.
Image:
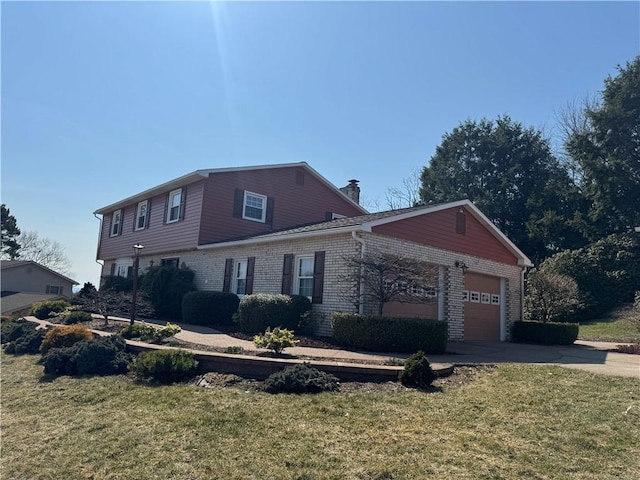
[{"x": 352, "y": 191}]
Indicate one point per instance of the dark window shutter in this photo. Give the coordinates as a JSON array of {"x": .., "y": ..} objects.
[
  {"x": 129, "y": 272},
  {"x": 146, "y": 222},
  {"x": 328, "y": 216},
  {"x": 270, "y": 206},
  {"x": 113, "y": 269},
  {"x": 121, "y": 226},
  {"x": 60, "y": 291},
  {"x": 461, "y": 223},
  {"x": 238, "y": 203},
  {"x": 228, "y": 271},
  {"x": 318, "y": 277},
  {"x": 183, "y": 202},
  {"x": 111, "y": 223},
  {"x": 166, "y": 208},
  {"x": 287, "y": 274},
  {"x": 47, "y": 289},
  {"x": 251, "y": 263}
]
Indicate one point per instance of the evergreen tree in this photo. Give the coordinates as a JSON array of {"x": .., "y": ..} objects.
[{"x": 10, "y": 231}]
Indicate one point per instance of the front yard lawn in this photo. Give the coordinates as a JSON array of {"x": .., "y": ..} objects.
[
  {"x": 510, "y": 422},
  {"x": 622, "y": 326}
]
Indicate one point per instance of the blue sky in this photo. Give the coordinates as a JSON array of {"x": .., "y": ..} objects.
[{"x": 103, "y": 100}]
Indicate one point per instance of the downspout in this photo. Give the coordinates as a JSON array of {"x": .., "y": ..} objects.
[
  {"x": 99, "y": 242},
  {"x": 362, "y": 253},
  {"x": 524, "y": 270}
]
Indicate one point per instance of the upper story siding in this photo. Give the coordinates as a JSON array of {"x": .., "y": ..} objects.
[
  {"x": 158, "y": 236},
  {"x": 441, "y": 230},
  {"x": 298, "y": 198}
]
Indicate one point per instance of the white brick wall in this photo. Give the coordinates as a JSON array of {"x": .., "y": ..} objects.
[{"x": 208, "y": 266}]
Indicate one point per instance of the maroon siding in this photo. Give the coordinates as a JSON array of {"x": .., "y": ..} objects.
[
  {"x": 439, "y": 229},
  {"x": 298, "y": 198},
  {"x": 158, "y": 236}
]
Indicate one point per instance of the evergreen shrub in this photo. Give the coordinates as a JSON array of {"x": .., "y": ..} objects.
[
  {"x": 209, "y": 308},
  {"x": 150, "y": 333},
  {"x": 277, "y": 339},
  {"x": 547, "y": 333},
  {"x": 165, "y": 366},
  {"x": 260, "y": 311},
  {"x": 64, "y": 336},
  {"x": 77, "y": 316},
  {"x": 390, "y": 334},
  {"x": 43, "y": 310},
  {"x": 99, "y": 356},
  {"x": 21, "y": 337},
  {"x": 417, "y": 371},
  {"x": 301, "y": 378}
]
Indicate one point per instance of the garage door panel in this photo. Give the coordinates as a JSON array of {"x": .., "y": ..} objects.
[{"x": 481, "y": 320}]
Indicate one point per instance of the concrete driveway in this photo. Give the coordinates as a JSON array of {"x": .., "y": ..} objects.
[{"x": 590, "y": 356}]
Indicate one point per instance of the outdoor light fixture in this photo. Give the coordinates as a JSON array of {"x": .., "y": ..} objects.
[
  {"x": 462, "y": 266},
  {"x": 134, "y": 294}
]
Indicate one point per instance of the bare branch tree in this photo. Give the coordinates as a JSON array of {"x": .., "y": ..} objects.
[
  {"x": 550, "y": 296},
  {"x": 107, "y": 302},
  {"x": 408, "y": 195},
  {"x": 381, "y": 278},
  {"x": 43, "y": 251}
]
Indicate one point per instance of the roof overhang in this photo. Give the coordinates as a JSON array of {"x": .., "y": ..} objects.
[
  {"x": 522, "y": 259},
  {"x": 205, "y": 173},
  {"x": 9, "y": 264}
]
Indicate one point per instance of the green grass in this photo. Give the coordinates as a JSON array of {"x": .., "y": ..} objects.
[
  {"x": 623, "y": 326},
  {"x": 511, "y": 422}
]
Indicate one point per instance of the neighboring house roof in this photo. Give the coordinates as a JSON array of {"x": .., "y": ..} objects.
[
  {"x": 14, "y": 302},
  {"x": 205, "y": 173},
  {"x": 9, "y": 264},
  {"x": 365, "y": 223}
]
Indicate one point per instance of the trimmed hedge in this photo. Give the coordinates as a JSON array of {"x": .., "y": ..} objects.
[
  {"x": 77, "y": 316},
  {"x": 547, "y": 333},
  {"x": 260, "y": 311},
  {"x": 390, "y": 334},
  {"x": 209, "y": 308}
]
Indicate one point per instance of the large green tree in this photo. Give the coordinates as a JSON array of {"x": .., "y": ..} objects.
[
  {"x": 509, "y": 172},
  {"x": 606, "y": 149},
  {"x": 10, "y": 232}
]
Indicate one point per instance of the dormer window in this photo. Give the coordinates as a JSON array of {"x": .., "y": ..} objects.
[{"x": 254, "y": 207}]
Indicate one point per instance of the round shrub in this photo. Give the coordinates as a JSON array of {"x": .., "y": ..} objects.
[
  {"x": 165, "y": 366},
  {"x": 209, "y": 308},
  {"x": 417, "y": 371},
  {"x": 277, "y": 339},
  {"x": 77, "y": 316},
  {"x": 301, "y": 378},
  {"x": 43, "y": 310},
  {"x": 60, "y": 336},
  {"x": 260, "y": 311},
  {"x": 101, "y": 356}
]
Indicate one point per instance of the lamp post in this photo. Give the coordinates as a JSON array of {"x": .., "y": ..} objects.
[{"x": 134, "y": 294}]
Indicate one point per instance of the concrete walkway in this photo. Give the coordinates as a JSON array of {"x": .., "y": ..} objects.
[{"x": 595, "y": 357}]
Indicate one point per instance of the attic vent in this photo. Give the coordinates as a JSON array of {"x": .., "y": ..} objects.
[
  {"x": 299, "y": 177},
  {"x": 461, "y": 223}
]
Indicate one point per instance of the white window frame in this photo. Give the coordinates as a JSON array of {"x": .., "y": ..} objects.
[
  {"x": 485, "y": 298},
  {"x": 474, "y": 297},
  {"x": 337, "y": 216},
  {"x": 116, "y": 223},
  {"x": 247, "y": 197},
  {"x": 495, "y": 299},
  {"x": 239, "y": 273},
  {"x": 297, "y": 277},
  {"x": 139, "y": 215},
  {"x": 173, "y": 194},
  {"x": 465, "y": 295}
]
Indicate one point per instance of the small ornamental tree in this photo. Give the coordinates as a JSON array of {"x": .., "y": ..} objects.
[
  {"x": 106, "y": 302},
  {"x": 550, "y": 297},
  {"x": 379, "y": 278}
]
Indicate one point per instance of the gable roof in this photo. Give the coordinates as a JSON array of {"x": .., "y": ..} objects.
[
  {"x": 9, "y": 264},
  {"x": 205, "y": 173},
  {"x": 365, "y": 223}
]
